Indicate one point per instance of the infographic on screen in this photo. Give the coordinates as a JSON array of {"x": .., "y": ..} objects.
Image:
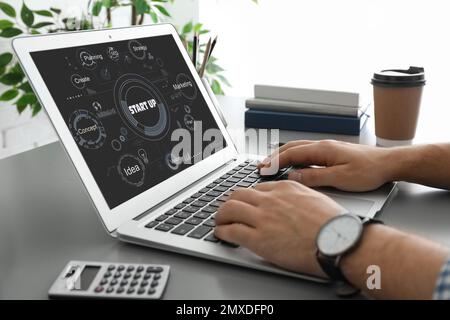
[{"x": 121, "y": 102}]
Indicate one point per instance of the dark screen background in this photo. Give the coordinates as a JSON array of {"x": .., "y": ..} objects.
[{"x": 94, "y": 87}]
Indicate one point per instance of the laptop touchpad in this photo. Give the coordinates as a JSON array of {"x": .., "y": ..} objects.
[{"x": 354, "y": 205}]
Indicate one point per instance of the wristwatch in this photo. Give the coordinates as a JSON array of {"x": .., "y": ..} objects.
[{"x": 336, "y": 238}]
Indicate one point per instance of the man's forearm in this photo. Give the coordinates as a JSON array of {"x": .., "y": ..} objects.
[
  {"x": 424, "y": 164},
  {"x": 409, "y": 265}
]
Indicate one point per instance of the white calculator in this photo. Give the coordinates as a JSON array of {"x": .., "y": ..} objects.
[{"x": 89, "y": 279}]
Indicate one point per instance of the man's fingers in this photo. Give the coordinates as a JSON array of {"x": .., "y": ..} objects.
[
  {"x": 310, "y": 154},
  {"x": 249, "y": 196},
  {"x": 316, "y": 177},
  {"x": 234, "y": 211},
  {"x": 236, "y": 233},
  {"x": 284, "y": 147}
]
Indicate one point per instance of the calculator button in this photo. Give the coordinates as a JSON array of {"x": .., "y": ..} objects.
[
  {"x": 137, "y": 276},
  {"x": 154, "y": 269},
  {"x": 107, "y": 274},
  {"x": 117, "y": 275},
  {"x": 130, "y": 268},
  {"x": 123, "y": 283},
  {"x": 127, "y": 275},
  {"x": 120, "y": 268},
  {"x": 140, "y": 268},
  {"x": 130, "y": 290},
  {"x": 110, "y": 289},
  {"x": 111, "y": 267},
  {"x": 103, "y": 282},
  {"x": 114, "y": 282},
  {"x": 99, "y": 289},
  {"x": 151, "y": 291},
  {"x": 144, "y": 283},
  {"x": 141, "y": 291},
  {"x": 134, "y": 283},
  {"x": 156, "y": 277},
  {"x": 120, "y": 289},
  {"x": 147, "y": 276},
  {"x": 154, "y": 284}
]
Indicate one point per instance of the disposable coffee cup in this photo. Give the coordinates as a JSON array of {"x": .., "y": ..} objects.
[{"x": 397, "y": 95}]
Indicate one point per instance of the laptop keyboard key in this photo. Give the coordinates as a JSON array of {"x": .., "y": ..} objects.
[
  {"x": 153, "y": 224},
  {"x": 223, "y": 198},
  {"x": 162, "y": 217},
  {"x": 211, "y": 185},
  {"x": 199, "y": 203},
  {"x": 216, "y": 204},
  {"x": 183, "y": 215},
  {"x": 218, "y": 181},
  {"x": 207, "y": 198},
  {"x": 196, "y": 195},
  {"x": 188, "y": 200},
  {"x": 227, "y": 184},
  {"x": 209, "y": 209},
  {"x": 239, "y": 175},
  {"x": 210, "y": 223},
  {"x": 233, "y": 180},
  {"x": 199, "y": 232},
  {"x": 194, "y": 221},
  {"x": 202, "y": 215},
  {"x": 174, "y": 221},
  {"x": 244, "y": 184},
  {"x": 251, "y": 180},
  {"x": 180, "y": 206},
  {"x": 183, "y": 229},
  {"x": 191, "y": 209},
  {"x": 171, "y": 212},
  {"x": 225, "y": 176},
  {"x": 164, "y": 227},
  {"x": 214, "y": 194},
  {"x": 204, "y": 190},
  {"x": 211, "y": 237},
  {"x": 220, "y": 189}
]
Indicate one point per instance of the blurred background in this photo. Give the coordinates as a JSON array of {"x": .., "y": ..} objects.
[{"x": 325, "y": 44}]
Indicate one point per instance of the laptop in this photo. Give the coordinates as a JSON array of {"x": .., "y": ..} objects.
[{"x": 121, "y": 101}]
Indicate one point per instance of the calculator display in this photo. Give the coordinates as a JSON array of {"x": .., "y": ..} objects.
[{"x": 87, "y": 276}]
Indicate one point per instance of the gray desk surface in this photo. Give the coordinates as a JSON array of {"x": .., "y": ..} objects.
[{"x": 46, "y": 219}]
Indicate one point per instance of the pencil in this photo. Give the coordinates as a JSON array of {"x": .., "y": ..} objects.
[
  {"x": 194, "y": 51},
  {"x": 212, "y": 47},
  {"x": 205, "y": 58}
]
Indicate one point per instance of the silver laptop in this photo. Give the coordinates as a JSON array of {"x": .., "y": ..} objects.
[{"x": 146, "y": 140}]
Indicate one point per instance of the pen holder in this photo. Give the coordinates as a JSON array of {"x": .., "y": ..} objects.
[{"x": 214, "y": 100}]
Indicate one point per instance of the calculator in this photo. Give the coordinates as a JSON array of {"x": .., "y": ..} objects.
[{"x": 89, "y": 279}]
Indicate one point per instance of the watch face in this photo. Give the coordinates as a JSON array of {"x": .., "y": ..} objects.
[{"x": 339, "y": 234}]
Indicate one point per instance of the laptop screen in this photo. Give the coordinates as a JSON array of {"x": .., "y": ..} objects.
[{"x": 127, "y": 105}]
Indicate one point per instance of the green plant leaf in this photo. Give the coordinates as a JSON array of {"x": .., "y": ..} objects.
[
  {"x": 20, "y": 109},
  {"x": 162, "y": 10},
  {"x": 8, "y": 9},
  {"x": 44, "y": 13},
  {"x": 187, "y": 28},
  {"x": 36, "y": 107},
  {"x": 34, "y": 31},
  {"x": 213, "y": 68},
  {"x": 26, "y": 99},
  {"x": 97, "y": 7},
  {"x": 11, "y": 78},
  {"x": 154, "y": 16},
  {"x": 224, "y": 80},
  {"x": 5, "y": 58},
  {"x": 56, "y": 10},
  {"x": 4, "y": 24},
  {"x": 9, "y": 95},
  {"x": 27, "y": 15},
  {"x": 107, "y": 3},
  {"x": 42, "y": 24},
  {"x": 10, "y": 32},
  {"x": 17, "y": 69},
  {"x": 198, "y": 27},
  {"x": 203, "y": 31},
  {"x": 216, "y": 87},
  {"x": 141, "y": 6},
  {"x": 25, "y": 87}
]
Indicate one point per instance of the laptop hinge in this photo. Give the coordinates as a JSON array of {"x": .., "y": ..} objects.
[{"x": 162, "y": 203}]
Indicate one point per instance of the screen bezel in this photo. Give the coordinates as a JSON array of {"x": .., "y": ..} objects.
[{"x": 113, "y": 218}]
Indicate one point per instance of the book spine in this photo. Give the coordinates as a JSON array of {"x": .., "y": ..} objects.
[
  {"x": 307, "y": 95},
  {"x": 304, "y": 122}
]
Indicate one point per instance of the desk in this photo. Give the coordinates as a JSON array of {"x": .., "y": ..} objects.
[{"x": 46, "y": 219}]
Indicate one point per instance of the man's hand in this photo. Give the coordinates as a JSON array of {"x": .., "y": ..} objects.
[
  {"x": 343, "y": 165},
  {"x": 278, "y": 221}
]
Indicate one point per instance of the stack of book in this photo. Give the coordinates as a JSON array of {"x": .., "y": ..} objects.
[{"x": 306, "y": 110}]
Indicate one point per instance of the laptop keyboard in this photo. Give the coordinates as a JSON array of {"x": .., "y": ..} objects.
[{"x": 194, "y": 217}]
